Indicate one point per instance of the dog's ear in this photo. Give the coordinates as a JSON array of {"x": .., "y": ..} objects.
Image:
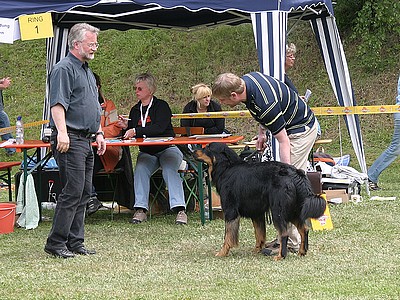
[{"x": 231, "y": 155}]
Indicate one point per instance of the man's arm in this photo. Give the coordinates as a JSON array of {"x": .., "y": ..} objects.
[
  {"x": 261, "y": 138},
  {"x": 284, "y": 146},
  {"x": 58, "y": 115},
  {"x": 101, "y": 142}
]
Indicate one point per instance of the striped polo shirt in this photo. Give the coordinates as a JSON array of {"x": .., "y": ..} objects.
[{"x": 274, "y": 105}]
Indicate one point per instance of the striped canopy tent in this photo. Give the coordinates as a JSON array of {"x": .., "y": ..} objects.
[{"x": 269, "y": 20}]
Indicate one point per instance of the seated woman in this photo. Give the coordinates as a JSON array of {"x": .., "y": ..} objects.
[
  {"x": 151, "y": 117},
  {"x": 113, "y": 156},
  {"x": 202, "y": 103}
]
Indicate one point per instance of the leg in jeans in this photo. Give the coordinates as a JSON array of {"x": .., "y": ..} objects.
[
  {"x": 170, "y": 160},
  {"x": 5, "y": 122},
  {"x": 387, "y": 156},
  {"x": 76, "y": 167},
  {"x": 146, "y": 165},
  {"x": 77, "y": 233}
]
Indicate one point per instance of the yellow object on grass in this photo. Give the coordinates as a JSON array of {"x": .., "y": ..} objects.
[{"x": 323, "y": 222}]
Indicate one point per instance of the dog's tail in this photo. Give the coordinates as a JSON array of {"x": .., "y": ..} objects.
[{"x": 313, "y": 207}]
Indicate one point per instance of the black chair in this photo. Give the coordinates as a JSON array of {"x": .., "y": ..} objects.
[{"x": 117, "y": 185}]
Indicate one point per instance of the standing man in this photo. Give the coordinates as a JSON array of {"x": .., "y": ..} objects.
[
  {"x": 279, "y": 109},
  {"x": 4, "y": 120},
  {"x": 75, "y": 118}
]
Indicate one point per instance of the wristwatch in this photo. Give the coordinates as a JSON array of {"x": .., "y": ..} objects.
[{"x": 100, "y": 132}]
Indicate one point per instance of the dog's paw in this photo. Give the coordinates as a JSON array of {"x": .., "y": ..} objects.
[
  {"x": 258, "y": 249},
  {"x": 302, "y": 253},
  {"x": 278, "y": 257},
  {"x": 221, "y": 254}
]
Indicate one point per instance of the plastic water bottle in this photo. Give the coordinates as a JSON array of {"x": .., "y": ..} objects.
[
  {"x": 206, "y": 210},
  {"x": 49, "y": 205},
  {"x": 19, "y": 131}
]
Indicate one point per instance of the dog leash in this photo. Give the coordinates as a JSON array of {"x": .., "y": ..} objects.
[{"x": 255, "y": 156}]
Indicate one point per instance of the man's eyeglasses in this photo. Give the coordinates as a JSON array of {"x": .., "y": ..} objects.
[{"x": 91, "y": 45}]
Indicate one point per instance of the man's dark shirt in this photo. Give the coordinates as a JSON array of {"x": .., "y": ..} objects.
[
  {"x": 274, "y": 105},
  {"x": 72, "y": 84}
]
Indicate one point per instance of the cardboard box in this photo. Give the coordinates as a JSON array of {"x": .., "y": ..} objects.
[{"x": 337, "y": 196}]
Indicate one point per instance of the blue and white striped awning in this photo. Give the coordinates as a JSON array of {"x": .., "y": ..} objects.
[{"x": 269, "y": 19}]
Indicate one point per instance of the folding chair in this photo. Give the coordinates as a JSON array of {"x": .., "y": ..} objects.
[
  {"x": 118, "y": 186},
  {"x": 158, "y": 192},
  {"x": 5, "y": 174},
  {"x": 188, "y": 131},
  {"x": 113, "y": 177}
]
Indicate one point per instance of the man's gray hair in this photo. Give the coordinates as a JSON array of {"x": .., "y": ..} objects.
[
  {"x": 78, "y": 31},
  {"x": 290, "y": 49}
]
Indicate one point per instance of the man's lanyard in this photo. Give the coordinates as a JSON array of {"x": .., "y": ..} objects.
[{"x": 144, "y": 118}]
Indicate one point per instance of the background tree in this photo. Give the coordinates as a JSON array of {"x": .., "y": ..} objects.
[{"x": 375, "y": 27}]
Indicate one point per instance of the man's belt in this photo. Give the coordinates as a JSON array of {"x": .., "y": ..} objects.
[{"x": 82, "y": 133}]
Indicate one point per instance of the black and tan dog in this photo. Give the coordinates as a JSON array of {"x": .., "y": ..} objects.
[{"x": 251, "y": 189}]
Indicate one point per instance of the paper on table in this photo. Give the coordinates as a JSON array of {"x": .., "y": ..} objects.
[
  {"x": 307, "y": 95},
  {"x": 117, "y": 140},
  {"x": 210, "y": 136},
  {"x": 158, "y": 139},
  {"x": 8, "y": 142}
]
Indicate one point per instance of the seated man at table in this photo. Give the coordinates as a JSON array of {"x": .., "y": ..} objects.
[
  {"x": 151, "y": 117},
  {"x": 112, "y": 127}
]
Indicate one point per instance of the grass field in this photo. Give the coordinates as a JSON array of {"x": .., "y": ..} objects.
[{"x": 358, "y": 259}]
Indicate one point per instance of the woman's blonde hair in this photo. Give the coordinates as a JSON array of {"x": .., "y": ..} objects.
[{"x": 200, "y": 91}]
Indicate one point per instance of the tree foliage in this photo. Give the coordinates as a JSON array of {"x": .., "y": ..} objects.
[{"x": 375, "y": 27}]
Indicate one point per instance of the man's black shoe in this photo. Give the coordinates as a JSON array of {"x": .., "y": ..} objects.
[
  {"x": 93, "y": 205},
  {"x": 83, "y": 251},
  {"x": 60, "y": 253},
  {"x": 373, "y": 185}
]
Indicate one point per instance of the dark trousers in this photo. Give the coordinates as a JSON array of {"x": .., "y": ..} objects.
[{"x": 76, "y": 169}]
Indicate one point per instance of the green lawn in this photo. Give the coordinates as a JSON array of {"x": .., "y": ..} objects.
[{"x": 358, "y": 259}]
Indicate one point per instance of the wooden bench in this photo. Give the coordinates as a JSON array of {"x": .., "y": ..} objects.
[
  {"x": 188, "y": 131},
  {"x": 5, "y": 174}
]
